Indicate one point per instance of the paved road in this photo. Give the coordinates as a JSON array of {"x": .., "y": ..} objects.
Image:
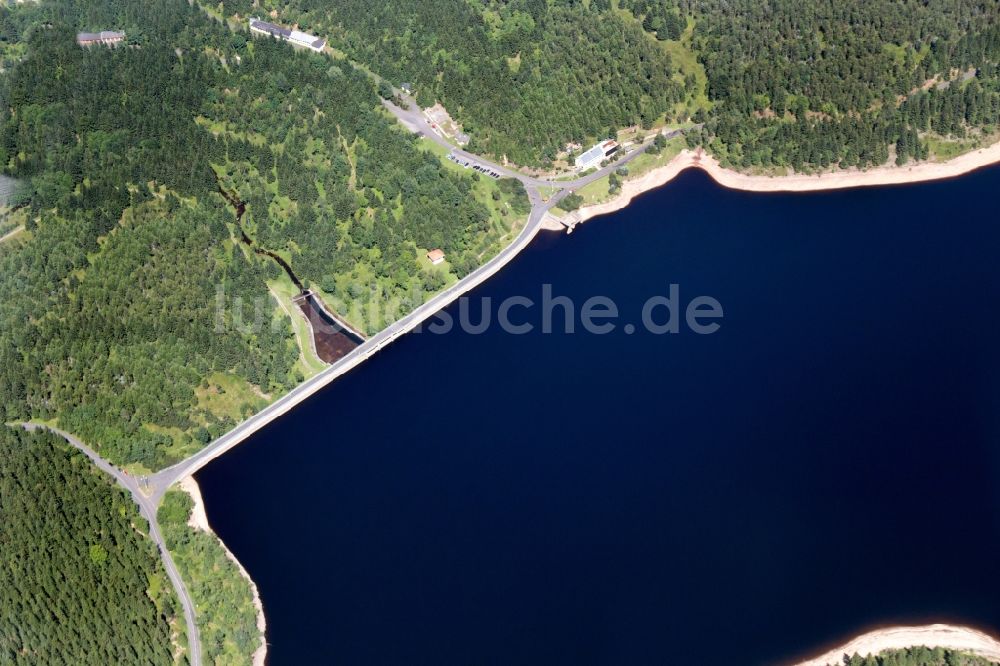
[
  {"x": 414, "y": 120},
  {"x": 147, "y": 507},
  {"x": 161, "y": 480},
  {"x": 411, "y": 117},
  {"x": 149, "y": 495}
]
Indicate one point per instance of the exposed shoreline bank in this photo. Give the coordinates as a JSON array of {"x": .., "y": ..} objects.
[
  {"x": 964, "y": 639},
  {"x": 885, "y": 175},
  {"x": 199, "y": 520},
  {"x": 630, "y": 189}
]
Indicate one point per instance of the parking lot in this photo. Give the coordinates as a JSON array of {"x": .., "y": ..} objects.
[{"x": 472, "y": 164}]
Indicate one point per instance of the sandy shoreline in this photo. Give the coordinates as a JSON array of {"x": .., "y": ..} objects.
[
  {"x": 199, "y": 520},
  {"x": 963, "y": 639},
  {"x": 630, "y": 189},
  {"x": 887, "y": 175},
  {"x": 937, "y": 635}
]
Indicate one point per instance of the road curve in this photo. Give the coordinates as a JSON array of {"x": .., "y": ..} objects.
[
  {"x": 147, "y": 507},
  {"x": 411, "y": 117},
  {"x": 159, "y": 482}
]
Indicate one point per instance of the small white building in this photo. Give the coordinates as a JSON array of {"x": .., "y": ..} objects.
[
  {"x": 596, "y": 154},
  {"x": 309, "y": 41},
  {"x": 436, "y": 256}
]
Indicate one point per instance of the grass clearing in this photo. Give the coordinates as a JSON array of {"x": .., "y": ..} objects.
[
  {"x": 181, "y": 446},
  {"x": 943, "y": 149},
  {"x": 434, "y": 147},
  {"x": 547, "y": 192},
  {"x": 647, "y": 162},
  {"x": 9, "y": 234},
  {"x": 284, "y": 291},
  {"x": 598, "y": 190},
  {"x": 12, "y": 224},
  {"x": 595, "y": 192},
  {"x": 220, "y": 128},
  {"x": 683, "y": 57},
  {"x": 228, "y": 395}
]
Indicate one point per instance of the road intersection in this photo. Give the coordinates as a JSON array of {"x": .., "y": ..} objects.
[
  {"x": 147, "y": 508},
  {"x": 151, "y": 490}
]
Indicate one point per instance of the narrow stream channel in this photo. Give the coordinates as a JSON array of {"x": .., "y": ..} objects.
[{"x": 331, "y": 339}]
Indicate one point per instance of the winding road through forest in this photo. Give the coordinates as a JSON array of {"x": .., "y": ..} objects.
[{"x": 147, "y": 507}]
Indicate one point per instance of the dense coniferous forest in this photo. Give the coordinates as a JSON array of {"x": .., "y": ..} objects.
[
  {"x": 132, "y": 301},
  {"x": 785, "y": 83},
  {"x": 110, "y": 318},
  {"x": 525, "y": 77},
  {"x": 846, "y": 83},
  {"x": 331, "y": 180},
  {"x": 917, "y": 656},
  {"x": 113, "y": 337},
  {"x": 80, "y": 583}
]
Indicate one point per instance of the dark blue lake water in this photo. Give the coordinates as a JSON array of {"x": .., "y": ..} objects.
[{"x": 828, "y": 461}]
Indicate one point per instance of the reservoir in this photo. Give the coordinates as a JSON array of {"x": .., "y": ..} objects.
[{"x": 826, "y": 462}]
